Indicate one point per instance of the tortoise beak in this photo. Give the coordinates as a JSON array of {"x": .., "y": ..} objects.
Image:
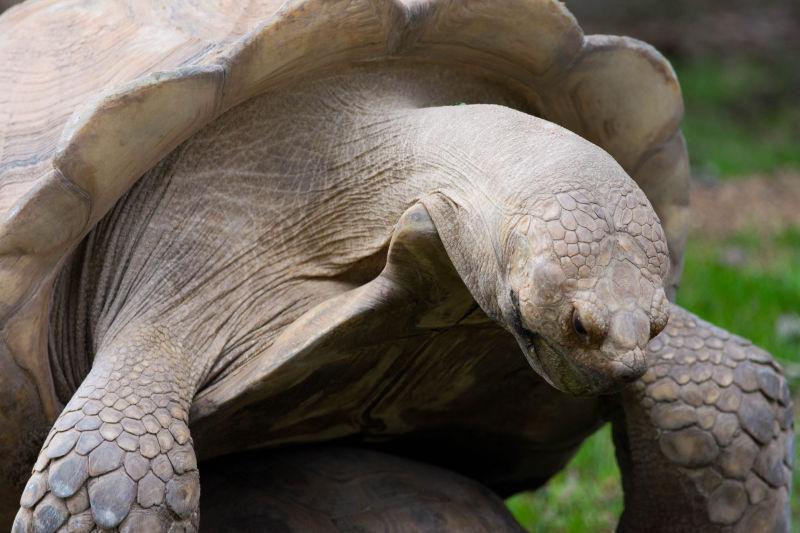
[{"x": 583, "y": 373}]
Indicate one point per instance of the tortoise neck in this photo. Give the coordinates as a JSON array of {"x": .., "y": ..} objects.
[{"x": 492, "y": 166}]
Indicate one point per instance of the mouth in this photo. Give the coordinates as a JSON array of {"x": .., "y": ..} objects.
[
  {"x": 580, "y": 372},
  {"x": 569, "y": 375}
]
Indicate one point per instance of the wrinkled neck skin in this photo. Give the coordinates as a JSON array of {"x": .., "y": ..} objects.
[
  {"x": 553, "y": 240},
  {"x": 291, "y": 198},
  {"x": 493, "y": 166}
]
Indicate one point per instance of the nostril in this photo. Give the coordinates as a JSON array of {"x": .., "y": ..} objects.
[
  {"x": 629, "y": 367},
  {"x": 656, "y": 327},
  {"x": 623, "y": 373}
]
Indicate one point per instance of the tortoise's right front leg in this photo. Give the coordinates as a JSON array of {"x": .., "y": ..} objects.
[
  {"x": 704, "y": 438},
  {"x": 120, "y": 454}
]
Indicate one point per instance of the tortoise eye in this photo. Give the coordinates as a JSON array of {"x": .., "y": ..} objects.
[{"x": 578, "y": 326}]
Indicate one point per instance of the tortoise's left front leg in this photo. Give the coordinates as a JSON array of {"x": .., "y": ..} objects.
[
  {"x": 120, "y": 456},
  {"x": 704, "y": 439}
]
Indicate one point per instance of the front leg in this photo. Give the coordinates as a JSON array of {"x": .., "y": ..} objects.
[
  {"x": 120, "y": 454},
  {"x": 704, "y": 439}
]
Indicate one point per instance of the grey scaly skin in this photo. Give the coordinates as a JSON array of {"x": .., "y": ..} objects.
[
  {"x": 704, "y": 438},
  {"x": 120, "y": 454}
]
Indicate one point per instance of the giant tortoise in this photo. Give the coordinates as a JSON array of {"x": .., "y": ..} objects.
[{"x": 443, "y": 230}]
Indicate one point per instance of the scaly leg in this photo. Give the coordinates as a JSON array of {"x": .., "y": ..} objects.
[
  {"x": 120, "y": 454},
  {"x": 704, "y": 439}
]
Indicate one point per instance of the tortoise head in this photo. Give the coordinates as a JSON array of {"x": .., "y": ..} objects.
[
  {"x": 584, "y": 283},
  {"x": 557, "y": 243}
]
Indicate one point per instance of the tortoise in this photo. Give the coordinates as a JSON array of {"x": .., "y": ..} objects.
[{"x": 338, "y": 223}]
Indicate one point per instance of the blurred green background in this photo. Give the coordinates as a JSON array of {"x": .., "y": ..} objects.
[{"x": 739, "y": 67}]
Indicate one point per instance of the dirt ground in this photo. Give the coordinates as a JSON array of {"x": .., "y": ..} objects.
[{"x": 766, "y": 204}]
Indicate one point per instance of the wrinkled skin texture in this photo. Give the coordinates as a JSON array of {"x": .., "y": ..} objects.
[{"x": 277, "y": 208}]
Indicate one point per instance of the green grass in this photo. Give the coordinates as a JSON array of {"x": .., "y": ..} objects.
[
  {"x": 749, "y": 297},
  {"x": 586, "y": 496},
  {"x": 742, "y": 116},
  {"x": 745, "y": 298}
]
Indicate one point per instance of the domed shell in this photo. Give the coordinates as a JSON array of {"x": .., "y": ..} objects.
[{"x": 93, "y": 94}]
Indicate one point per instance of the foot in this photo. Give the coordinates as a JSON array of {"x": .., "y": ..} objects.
[
  {"x": 120, "y": 456},
  {"x": 706, "y": 436}
]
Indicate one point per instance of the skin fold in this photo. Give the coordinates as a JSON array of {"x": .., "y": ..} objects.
[{"x": 291, "y": 200}]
